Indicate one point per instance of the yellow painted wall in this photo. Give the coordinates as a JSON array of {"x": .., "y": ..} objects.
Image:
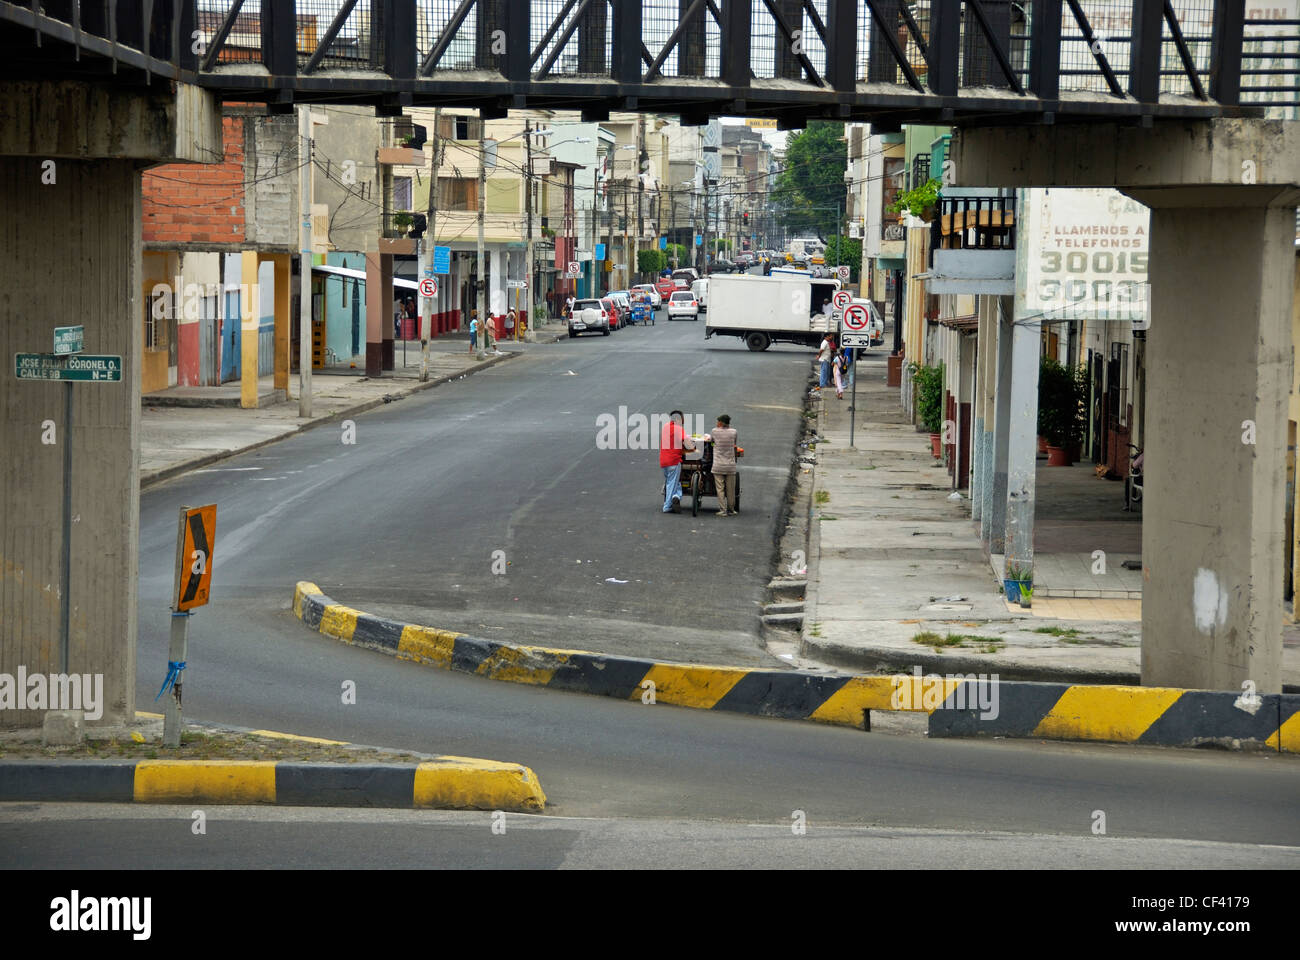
[{"x": 156, "y": 267}]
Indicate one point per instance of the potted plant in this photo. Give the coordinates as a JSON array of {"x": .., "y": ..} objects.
[
  {"x": 1017, "y": 581},
  {"x": 1057, "y": 408},
  {"x": 402, "y": 221},
  {"x": 929, "y": 402},
  {"x": 920, "y": 201}
]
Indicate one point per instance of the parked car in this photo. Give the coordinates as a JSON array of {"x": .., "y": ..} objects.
[
  {"x": 744, "y": 260},
  {"x": 656, "y": 298},
  {"x": 664, "y": 286},
  {"x": 721, "y": 265},
  {"x": 590, "y": 316},
  {"x": 683, "y": 304},
  {"x": 701, "y": 290},
  {"x": 624, "y": 306}
]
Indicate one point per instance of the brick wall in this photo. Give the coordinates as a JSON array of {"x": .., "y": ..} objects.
[{"x": 188, "y": 203}]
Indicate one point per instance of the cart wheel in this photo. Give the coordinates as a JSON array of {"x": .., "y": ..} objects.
[
  {"x": 695, "y": 495},
  {"x": 738, "y": 493}
]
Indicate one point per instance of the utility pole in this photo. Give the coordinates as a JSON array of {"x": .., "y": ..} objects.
[
  {"x": 530, "y": 296},
  {"x": 704, "y": 267},
  {"x": 641, "y": 165},
  {"x": 591, "y": 292},
  {"x": 480, "y": 266},
  {"x": 626, "y": 266},
  {"x": 304, "y": 242},
  {"x": 425, "y": 266}
]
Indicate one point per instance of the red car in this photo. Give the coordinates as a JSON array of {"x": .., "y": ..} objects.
[{"x": 665, "y": 286}]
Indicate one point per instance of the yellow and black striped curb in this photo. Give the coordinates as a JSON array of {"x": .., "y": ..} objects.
[
  {"x": 1148, "y": 715},
  {"x": 1160, "y": 716},
  {"x": 448, "y": 783}
]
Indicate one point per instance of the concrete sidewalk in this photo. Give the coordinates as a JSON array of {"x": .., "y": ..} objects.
[
  {"x": 893, "y": 557},
  {"x": 178, "y": 437}
]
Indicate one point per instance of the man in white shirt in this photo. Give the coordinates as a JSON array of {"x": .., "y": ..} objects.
[{"x": 824, "y": 353}]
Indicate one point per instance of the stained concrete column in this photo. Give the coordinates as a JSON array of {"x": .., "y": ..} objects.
[
  {"x": 994, "y": 519},
  {"x": 386, "y": 309},
  {"x": 1216, "y": 435},
  {"x": 981, "y": 488},
  {"x": 1022, "y": 442},
  {"x": 70, "y": 196}
]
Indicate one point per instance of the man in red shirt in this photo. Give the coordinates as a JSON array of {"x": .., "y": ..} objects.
[{"x": 671, "y": 441}]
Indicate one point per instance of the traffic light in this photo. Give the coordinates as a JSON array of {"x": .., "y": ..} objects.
[{"x": 745, "y": 217}]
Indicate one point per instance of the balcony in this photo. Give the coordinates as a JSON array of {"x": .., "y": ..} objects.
[
  {"x": 973, "y": 243},
  {"x": 401, "y": 157}
]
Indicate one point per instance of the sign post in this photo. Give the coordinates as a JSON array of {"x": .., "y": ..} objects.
[
  {"x": 856, "y": 322},
  {"x": 194, "y": 542},
  {"x": 65, "y": 364}
]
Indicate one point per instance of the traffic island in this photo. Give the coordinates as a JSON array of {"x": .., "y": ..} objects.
[
  {"x": 216, "y": 765},
  {"x": 956, "y": 705}
]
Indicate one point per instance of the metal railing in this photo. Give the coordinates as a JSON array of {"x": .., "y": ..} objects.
[
  {"x": 974, "y": 223},
  {"x": 1173, "y": 56}
]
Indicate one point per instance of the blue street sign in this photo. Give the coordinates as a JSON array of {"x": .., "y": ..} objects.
[
  {"x": 442, "y": 259},
  {"x": 699, "y": 240},
  {"x": 600, "y": 251},
  {"x": 663, "y": 243}
]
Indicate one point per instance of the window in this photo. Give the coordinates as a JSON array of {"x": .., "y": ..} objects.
[
  {"x": 461, "y": 128},
  {"x": 401, "y": 193},
  {"x": 457, "y": 193}
]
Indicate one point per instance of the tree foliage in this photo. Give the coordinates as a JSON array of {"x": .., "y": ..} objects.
[
  {"x": 844, "y": 250},
  {"x": 811, "y": 186}
]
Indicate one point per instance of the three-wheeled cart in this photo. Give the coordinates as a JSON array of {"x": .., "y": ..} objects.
[{"x": 697, "y": 474}]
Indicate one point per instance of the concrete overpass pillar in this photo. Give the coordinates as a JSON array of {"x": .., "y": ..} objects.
[
  {"x": 993, "y": 524},
  {"x": 1222, "y": 195},
  {"x": 70, "y": 192},
  {"x": 1218, "y": 378}
]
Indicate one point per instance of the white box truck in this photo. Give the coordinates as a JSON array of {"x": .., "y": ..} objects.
[{"x": 761, "y": 311}]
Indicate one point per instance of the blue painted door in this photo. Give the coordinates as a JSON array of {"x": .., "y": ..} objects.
[{"x": 230, "y": 339}]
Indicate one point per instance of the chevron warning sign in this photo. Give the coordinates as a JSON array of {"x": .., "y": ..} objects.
[{"x": 194, "y": 556}]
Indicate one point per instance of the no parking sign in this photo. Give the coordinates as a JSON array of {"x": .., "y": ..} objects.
[
  {"x": 856, "y": 317},
  {"x": 841, "y": 299}
]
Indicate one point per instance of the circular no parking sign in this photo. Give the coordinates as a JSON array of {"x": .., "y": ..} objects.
[
  {"x": 841, "y": 299},
  {"x": 856, "y": 317},
  {"x": 428, "y": 287}
]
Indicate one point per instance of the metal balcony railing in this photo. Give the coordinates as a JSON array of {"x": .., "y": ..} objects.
[{"x": 973, "y": 223}]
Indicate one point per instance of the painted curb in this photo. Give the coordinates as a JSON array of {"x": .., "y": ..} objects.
[
  {"x": 1146, "y": 715},
  {"x": 448, "y": 783},
  {"x": 155, "y": 477}
]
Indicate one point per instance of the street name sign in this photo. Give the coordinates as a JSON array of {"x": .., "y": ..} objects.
[
  {"x": 47, "y": 366},
  {"x": 69, "y": 340},
  {"x": 517, "y": 284}
]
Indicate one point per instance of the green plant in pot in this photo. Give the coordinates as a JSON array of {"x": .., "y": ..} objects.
[
  {"x": 1018, "y": 582},
  {"x": 1058, "y": 409},
  {"x": 929, "y": 401},
  {"x": 402, "y": 221},
  {"x": 1079, "y": 424},
  {"x": 920, "y": 201}
]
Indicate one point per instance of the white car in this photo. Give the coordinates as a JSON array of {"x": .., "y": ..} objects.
[
  {"x": 656, "y": 298},
  {"x": 701, "y": 290},
  {"x": 682, "y": 303}
]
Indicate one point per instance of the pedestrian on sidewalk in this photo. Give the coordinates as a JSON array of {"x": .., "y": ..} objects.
[
  {"x": 568, "y": 308},
  {"x": 839, "y": 364},
  {"x": 399, "y": 310},
  {"x": 724, "y": 465},
  {"x": 473, "y": 331},
  {"x": 510, "y": 324},
  {"x": 672, "y": 440},
  {"x": 824, "y": 354}
]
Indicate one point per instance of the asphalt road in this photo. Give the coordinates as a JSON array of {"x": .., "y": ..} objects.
[{"x": 405, "y": 521}]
